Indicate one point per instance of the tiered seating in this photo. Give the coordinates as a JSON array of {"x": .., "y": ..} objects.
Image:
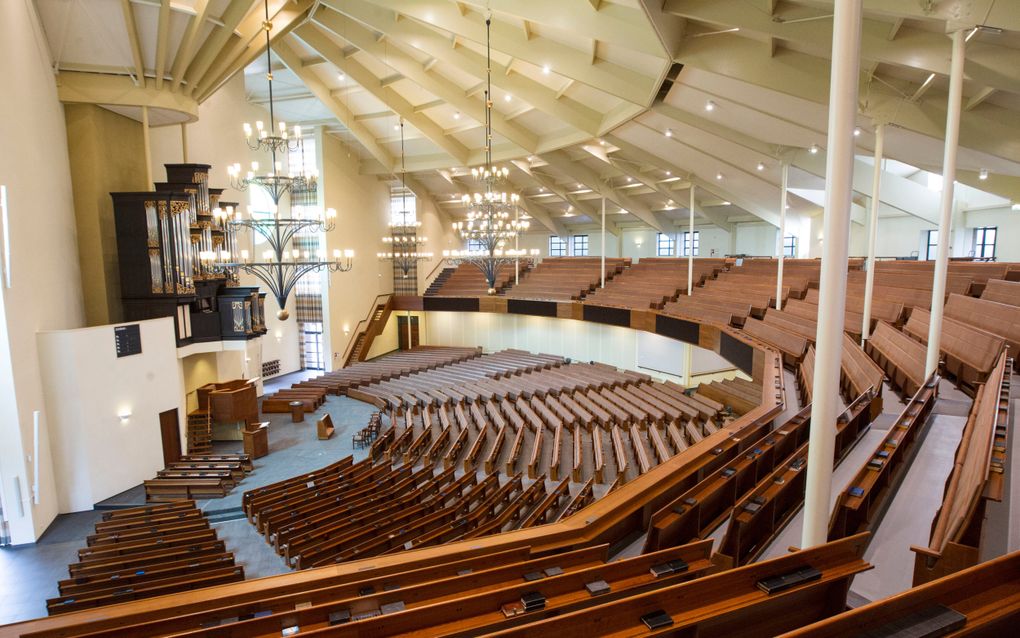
[
  {"x": 999, "y": 319},
  {"x": 976, "y": 478},
  {"x": 862, "y": 503},
  {"x": 652, "y": 282},
  {"x": 1001, "y": 291},
  {"x": 980, "y": 601},
  {"x": 902, "y": 358},
  {"x": 858, "y": 374},
  {"x": 466, "y": 280},
  {"x": 387, "y": 366},
  {"x": 737, "y": 395},
  {"x": 565, "y": 278},
  {"x": 143, "y": 552},
  {"x": 760, "y": 514},
  {"x": 198, "y": 476},
  {"x": 969, "y": 354},
  {"x": 792, "y": 345}
]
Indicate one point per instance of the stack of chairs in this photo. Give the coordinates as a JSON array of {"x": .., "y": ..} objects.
[{"x": 143, "y": 552}]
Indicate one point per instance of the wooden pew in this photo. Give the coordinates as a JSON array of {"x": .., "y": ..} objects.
[
  {"x": 997, "y": 318},
  {"x": 976, "y": 478},
  {"x": 969, "y": 354},
  {"x": 902, "y": 358}
]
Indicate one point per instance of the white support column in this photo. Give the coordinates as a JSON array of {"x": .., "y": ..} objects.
[
  {"x": 603, "y": 242},
  {"x": 839, "y": 167},
  {"x": 690, "y": 253},
  {"x": 938, "y": 289},
  {"x": 147, "y": 148},
  {"x": 781, "y": 242},
  {"x": 184, "y": 142},
  {"x": 876, "y": 190}
]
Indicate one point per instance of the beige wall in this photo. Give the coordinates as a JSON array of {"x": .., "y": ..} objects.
[
  {"x": 106, "y": 155},
  {"x": 45, "y": 291}
]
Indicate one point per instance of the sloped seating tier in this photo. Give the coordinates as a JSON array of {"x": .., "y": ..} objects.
[
  {"x": 144, "y": 552},
  {"x": 999, "y": 319},
  {"x": 976, "y": 478},
  {"x": 388, "y": 366},
  {"x": 198, "y": 476},
  {"x": 652, "y": 282},
  {"x": 986, "y": 596},
  {"x": 792, "y": 345},
  {"x": 565, "y": 278},
  {"x": 1002, "y": 291},
  {"x": 466, "y": 280},
  {"x": 902, "y": 358},
  {"x": 969, "y": 354},
  {"x": 861, "y": 504}
]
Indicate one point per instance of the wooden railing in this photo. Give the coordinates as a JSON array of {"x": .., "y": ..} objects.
[{"x": 366, "y": 324}]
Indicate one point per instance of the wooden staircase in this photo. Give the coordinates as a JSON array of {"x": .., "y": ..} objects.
[
  {"x": 200, "y": 431},
  {"x": 369, "y": 328},
  {"x": 440, "y": 279}
]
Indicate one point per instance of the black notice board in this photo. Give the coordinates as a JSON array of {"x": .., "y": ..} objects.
[{"x": 128, "y": 340}]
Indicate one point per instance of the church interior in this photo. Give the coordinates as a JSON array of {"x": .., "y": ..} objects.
[{"x": 432, "y": 318}]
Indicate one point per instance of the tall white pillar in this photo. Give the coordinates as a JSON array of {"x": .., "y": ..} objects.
[
  {"x": 147, "y": 147},
  {"x": 839, "y": 166},
  {"x": 690, "y": 254},
  {"x": 781, "y": 242},
  {"x": 603, "y": 242},
  {"x": 184, "y": 142},
  {"x": 938, "y": 289},
  {"x": 876, "y": 189}
]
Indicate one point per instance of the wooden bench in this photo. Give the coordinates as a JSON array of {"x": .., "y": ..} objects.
[
  {"x": 969, "y": 354},
  {"x": 175, "y": 489},
  {"x": 902, "y": 358}
]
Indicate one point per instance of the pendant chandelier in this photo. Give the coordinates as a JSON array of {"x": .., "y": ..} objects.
[
  {"x": 494, "y": 216},
  {"x": 280, "y": 266},
  {"x": 403, "y": 239}
]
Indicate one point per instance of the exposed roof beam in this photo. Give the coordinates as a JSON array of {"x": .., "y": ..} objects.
[
  {"x": 553, "y": 188},
  {"x": 136, "y": 45},
  {"x": 318, "y": 40},
  {"x": 624, "y": 83},
  {"x": 213, "y": 45},
  {"x": 578, "y": 171},
  {"x": 421, "y": 192},
  {"x": 412, "y": 34},
  {"x": 186, "y": 49},
  {"x": 978, "y": 98},
  {"x": 430, "y": 81},
  {"x": 290, "y": 57},
  {"x": 162, "y": 35}
]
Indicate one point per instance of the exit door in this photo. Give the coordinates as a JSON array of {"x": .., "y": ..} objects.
[
  {"x": 170, "y": 432},
  {"x": 408, "y": 338}
]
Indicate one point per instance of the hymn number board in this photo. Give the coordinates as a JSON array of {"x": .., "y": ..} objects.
[{"x": 128, "y": 340}]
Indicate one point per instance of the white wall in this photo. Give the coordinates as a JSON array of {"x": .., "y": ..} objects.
[
  {"x": 578, "y": 340},
  {"x": 45, "y": 290},
  {"x": 95, "y": 453}
]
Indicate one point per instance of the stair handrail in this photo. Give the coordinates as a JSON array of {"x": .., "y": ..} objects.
[
  {"x": 362, "y": 325},
  {"x": 429, "y": 278}
]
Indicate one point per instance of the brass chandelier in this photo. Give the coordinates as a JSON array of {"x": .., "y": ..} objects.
[{"x": 403, "y": 241}]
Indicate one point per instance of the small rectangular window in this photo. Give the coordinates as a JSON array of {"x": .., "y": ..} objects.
[
  {"x": 580, "y": 245},
  {"x": 688, "y": 243},
  {"x": 476, "y": 245},
  {"x": 984, "y": 242},
  {"x": 932, "y": 246},
  {"x": 557, "y": 246},
  {"x": 664, "y": 245},
  {"x": 790, "y": 246}
]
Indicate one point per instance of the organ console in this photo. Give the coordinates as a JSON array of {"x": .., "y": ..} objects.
[{"x": 167, "y": 241}]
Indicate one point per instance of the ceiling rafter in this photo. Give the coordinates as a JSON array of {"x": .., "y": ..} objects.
[
  {"x": 325, "y": 47},
  {"x": 186, "y": 49},
  {"x": 550, "y": 184},
  {"x": 136, "y": 45},
  {"x": 162, "y": 35},
  {"x": 290, "y": 57},
  {"x": 213, "y": 46}
]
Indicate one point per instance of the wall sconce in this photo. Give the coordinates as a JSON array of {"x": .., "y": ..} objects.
[
  {"x": 638, "y": 241},
  {"x": 347, "y": 329},
  {"x": 124, "y": 414}
]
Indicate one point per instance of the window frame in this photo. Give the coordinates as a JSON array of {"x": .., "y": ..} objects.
[
  {"x": 931, "y": 249},
  {"x": 686, "y": 243},
  {"x": 579, "y": 245},
  {"x": 665, "y": 245},
  {"x": 790, "y": 246},
  {"x": 557, "y": 246},
  {"x": 981, "y": 241}
]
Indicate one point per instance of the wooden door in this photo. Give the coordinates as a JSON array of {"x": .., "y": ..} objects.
[
  {"x": 407, "y": 339},
  {"x": 170, "y": 431}
]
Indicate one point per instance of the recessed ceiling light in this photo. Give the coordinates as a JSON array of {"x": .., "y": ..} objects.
[
  {"x": 983, "y": 175},
  {"x": 857, "y": 131},
  {"x": 669, "y": 132},
  {"x": 761, "y": 166},
  {"x": 602, "y": 142},
  {"x": 341, "y": 76},
  {"x": 541, "y": 189},
  {"x": 546, "y": 69},
  {"x": 725, "y": 203},
  {"x": 669, "y": 173},
  {"x": 456, "y": 115},
  {"x": 718, "y": 175},
  {"x": 814, "y": 149},
  {"x": 580, "y": 185},
  {"x": 630, "y": 179},
  {"x": 710, "y": 105},
  {"x": 507, "y": 97},
  {"x": 570, "y": 209},
  {"x": 531, "y": 158}
]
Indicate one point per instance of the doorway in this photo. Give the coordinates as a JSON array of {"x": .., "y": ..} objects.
[
  {"x": 407, "y": 338},
  {"x": 170, "y": 433}
]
